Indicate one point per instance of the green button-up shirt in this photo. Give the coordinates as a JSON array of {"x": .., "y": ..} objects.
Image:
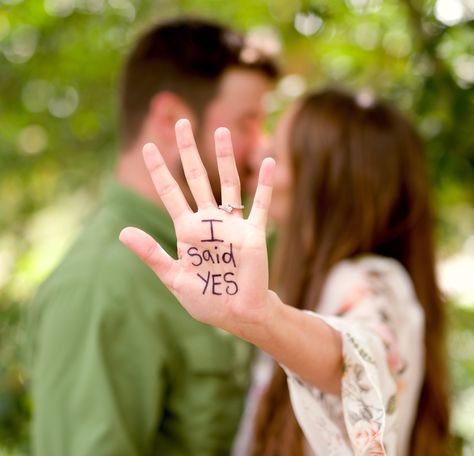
[{"x": 118, "y": 367}]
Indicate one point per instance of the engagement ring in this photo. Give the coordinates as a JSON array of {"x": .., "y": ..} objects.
[{"x": 230, "y": 207}]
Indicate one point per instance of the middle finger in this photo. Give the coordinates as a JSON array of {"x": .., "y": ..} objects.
[{"x": 194, "y": 170}]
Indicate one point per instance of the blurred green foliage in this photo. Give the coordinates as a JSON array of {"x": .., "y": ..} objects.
[{"x": 59, "y": 68}]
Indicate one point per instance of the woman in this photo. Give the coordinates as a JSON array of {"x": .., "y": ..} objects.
[{"x": 361, "y": 339}]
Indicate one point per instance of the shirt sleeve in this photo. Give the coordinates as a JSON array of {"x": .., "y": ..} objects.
[
  {"x": 375, "y": 323},
  {"x": 97, "y": 385}
]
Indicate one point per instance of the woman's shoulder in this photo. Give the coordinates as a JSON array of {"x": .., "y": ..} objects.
[
  {"x": 368, "y": 269},
  {"x": 369, "y": 277}
]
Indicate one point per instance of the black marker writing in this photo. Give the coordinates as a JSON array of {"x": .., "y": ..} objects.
[
  {"x": 193, "y": 252},
  {"x": 212, "y": 257},
  {"x": 216, "y": 287},
  {"x": 211, "y": 225},
  {"x": 215, "y": 284},
  {"x": 233, "y": 288},
  {"x": 206, "y": 281},
  {"x": 227, "y": 257}
]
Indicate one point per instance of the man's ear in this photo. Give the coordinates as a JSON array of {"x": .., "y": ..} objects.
[{"x": 166, "y": 108}]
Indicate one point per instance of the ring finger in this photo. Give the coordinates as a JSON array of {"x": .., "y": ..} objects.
[{"x": 228, "y": 174}]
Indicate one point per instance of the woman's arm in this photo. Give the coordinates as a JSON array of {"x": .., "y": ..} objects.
[
  {"x": 221, "y": 275},
  {"x": 306, "y": 345}
]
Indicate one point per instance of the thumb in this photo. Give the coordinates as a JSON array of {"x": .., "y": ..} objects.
[{"x": 149, "y": 251}]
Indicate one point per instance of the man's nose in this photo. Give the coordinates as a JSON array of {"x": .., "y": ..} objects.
[
  {"x": 263, "y": 147},
  {"x": 262, "y": 140}
]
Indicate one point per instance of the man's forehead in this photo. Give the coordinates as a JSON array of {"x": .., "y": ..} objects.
[
  {"x": 241, "y": 94},
  {"x": 238, "y": 82}
]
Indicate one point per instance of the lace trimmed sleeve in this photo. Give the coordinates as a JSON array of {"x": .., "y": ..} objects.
[{"x": 372, "y": 305}]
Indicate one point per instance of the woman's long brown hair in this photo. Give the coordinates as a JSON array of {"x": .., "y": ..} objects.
[{"x": 360, "y": 187}]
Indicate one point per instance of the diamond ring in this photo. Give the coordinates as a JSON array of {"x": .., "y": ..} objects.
[{"x": 230, "y": 207}]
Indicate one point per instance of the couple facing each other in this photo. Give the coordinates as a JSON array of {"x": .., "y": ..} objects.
[
  {"x": 355, "y": 264},
  {"x": 120, "y": 368}
]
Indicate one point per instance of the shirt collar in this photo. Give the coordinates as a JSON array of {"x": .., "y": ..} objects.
[{"x": 142, "y": 213}]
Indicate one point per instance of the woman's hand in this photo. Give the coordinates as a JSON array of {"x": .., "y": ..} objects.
[{"x": 221, "y": 275}]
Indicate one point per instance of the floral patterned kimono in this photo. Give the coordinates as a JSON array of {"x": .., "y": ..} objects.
[{"x": 372, "y": 303}]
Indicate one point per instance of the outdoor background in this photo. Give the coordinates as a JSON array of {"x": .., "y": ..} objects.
[{"x": 59, "y": 63}]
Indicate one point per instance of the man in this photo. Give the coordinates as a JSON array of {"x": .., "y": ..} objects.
[{"x": 118, "y": 367}]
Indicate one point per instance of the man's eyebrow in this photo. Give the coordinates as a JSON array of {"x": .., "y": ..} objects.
[{"x": 251, "y": 114}]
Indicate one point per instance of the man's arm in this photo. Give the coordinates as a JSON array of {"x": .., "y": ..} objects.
[{"x": 97, "y": 375}]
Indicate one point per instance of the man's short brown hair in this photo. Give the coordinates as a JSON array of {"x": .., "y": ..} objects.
[{"x": 186, "y": 56}]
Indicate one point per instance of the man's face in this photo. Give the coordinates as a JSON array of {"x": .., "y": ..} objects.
[{"x": 238, "y": 106}]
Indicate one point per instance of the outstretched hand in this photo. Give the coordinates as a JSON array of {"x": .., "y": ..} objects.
[{"x": 221, "y": 275}]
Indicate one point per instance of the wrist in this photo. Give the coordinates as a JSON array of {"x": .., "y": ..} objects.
[{"x": 260, "y": 331}]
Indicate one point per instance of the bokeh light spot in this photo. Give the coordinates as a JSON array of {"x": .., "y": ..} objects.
[
  {"x": 449, "y": 12},
  {"x": 308, "y": 23},
  {"x": 33, "y": 139},
  {"x": 291, "y": 86},
  {"x": 397, "y": 43},
  {"x": 367, "y": 36},
  {"x": 63, "y": 105},
  {"x": 23, "y": 45},
  {"x": 124, "y": 7},
  {"x": 265, "y": 39},
  {"x": 59, "y": 8},
  {"x": 364, "y": 6},
  {"x": 464, "y": 68}
]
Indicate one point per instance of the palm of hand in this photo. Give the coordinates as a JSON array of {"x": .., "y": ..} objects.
[
  {"x": 220, "y": 256},
  {"x": 221, "y": 275}
]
